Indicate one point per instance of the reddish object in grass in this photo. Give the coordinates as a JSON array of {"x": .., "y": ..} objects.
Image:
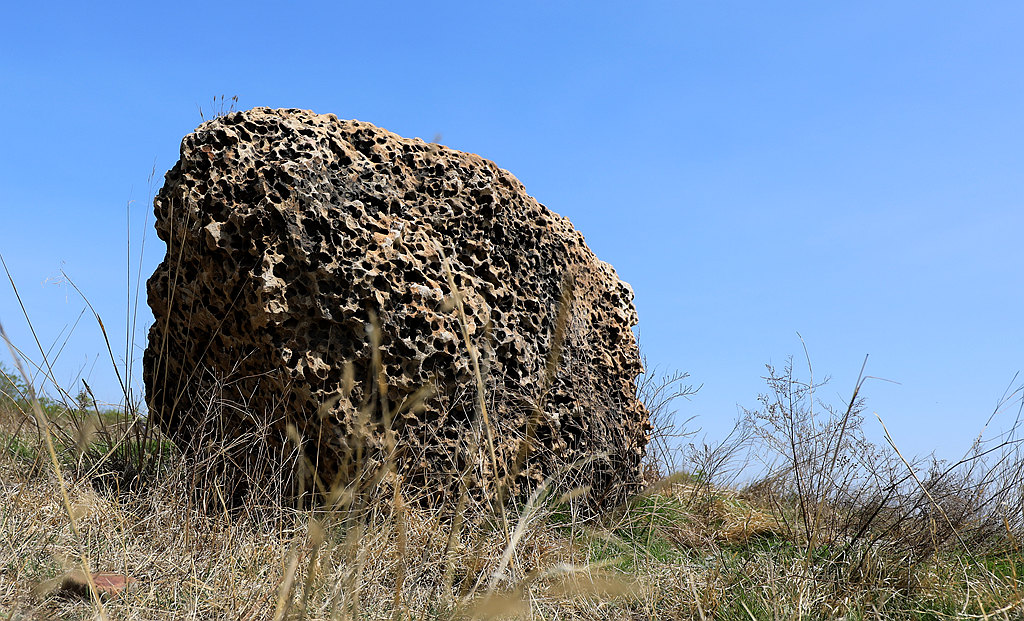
[{"x": 108, "y": 585}]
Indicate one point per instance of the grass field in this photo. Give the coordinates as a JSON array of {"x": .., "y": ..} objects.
[
  {"x": 836, "y": 528},
  {"x": 830, "y": 526}
]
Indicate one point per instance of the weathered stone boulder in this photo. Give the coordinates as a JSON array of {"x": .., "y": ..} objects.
[{"x": 290, "y": 235}]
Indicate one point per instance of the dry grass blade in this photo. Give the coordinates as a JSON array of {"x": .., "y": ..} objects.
[
  {"x": 696, "y": 598},
  {"x": 528, "y": 513},
  {"x": 938, "y": 506},
  {"x": 481, "y": 388},
  {"x": 551, "y": 369},
  {"x": 316, "y": 535},
  {"x": 284, "y": 598}
]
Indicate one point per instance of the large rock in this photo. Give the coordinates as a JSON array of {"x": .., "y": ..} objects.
[{"x": 290, "y": 234}]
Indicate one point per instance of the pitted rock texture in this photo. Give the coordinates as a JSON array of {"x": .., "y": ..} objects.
[{"x": 289, "y": 234}]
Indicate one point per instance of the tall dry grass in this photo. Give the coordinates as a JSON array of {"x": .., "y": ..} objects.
[
  {"x": 835, "y": 525},
  {"x": 863, "y": 534}
]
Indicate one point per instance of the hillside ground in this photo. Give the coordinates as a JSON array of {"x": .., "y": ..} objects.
[{"x": 835, "y": 528}]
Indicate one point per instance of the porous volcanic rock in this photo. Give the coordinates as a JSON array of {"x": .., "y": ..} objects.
[{"x": 290, "y": 235}]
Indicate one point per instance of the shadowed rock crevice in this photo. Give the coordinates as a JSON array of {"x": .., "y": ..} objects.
[{"x": 288, "y": 232}]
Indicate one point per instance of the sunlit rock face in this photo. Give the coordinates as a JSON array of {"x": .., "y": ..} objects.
[{"x": 291, "y": 235}]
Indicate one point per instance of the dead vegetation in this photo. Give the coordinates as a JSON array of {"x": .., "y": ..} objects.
[
  {"x": 837, "y": 528},
  {"x": 834, "y": 526}
]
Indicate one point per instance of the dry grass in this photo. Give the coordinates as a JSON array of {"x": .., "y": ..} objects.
[
  {"x": 226, "y": 565},
  {"x": 680, "y": 550},
  {"x": 835, "y": 528}
]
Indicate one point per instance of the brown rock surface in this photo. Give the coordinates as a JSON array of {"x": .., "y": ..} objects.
[{"x": 287, "y": 231}]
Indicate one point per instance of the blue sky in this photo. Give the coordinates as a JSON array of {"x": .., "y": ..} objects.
[{"x": 848, "y": 171}]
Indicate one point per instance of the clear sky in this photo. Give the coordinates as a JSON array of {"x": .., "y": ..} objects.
[{"x": 848, "y": 171}]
